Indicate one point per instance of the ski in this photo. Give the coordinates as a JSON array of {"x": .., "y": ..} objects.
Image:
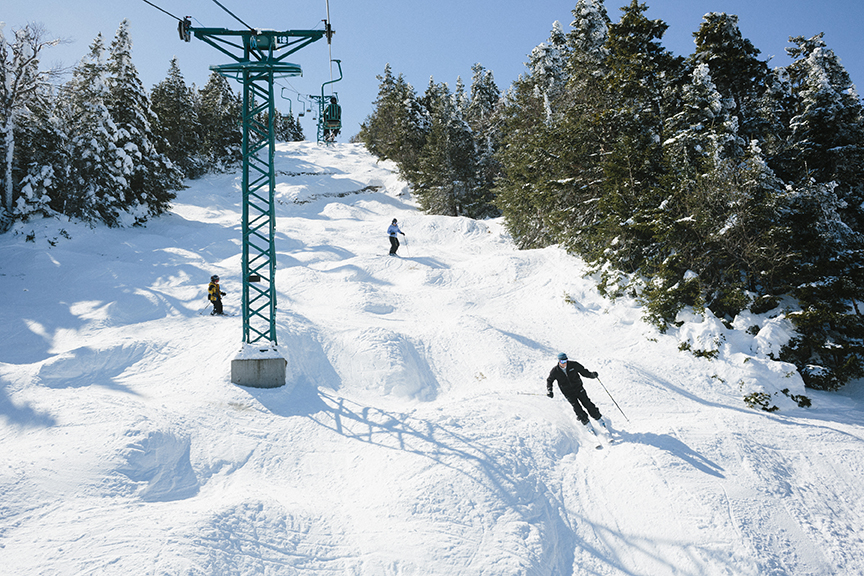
[
  {"x": 589, "y": 428},
  {"x": 224, "y": 313},
  {"x": 604, "y": 431}
]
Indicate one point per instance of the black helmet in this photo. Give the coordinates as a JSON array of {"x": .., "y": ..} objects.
[
  {"x": 394, "y": 220},
  {"x": 214, "y": 278}
]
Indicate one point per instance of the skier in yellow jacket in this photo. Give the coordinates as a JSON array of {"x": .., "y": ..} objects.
[{"x": 214, "y": 294}]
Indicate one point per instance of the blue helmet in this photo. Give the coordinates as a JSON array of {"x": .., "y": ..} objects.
[{"x": 562, "y": 357}]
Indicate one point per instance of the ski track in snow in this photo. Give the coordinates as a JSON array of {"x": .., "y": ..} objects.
[{"x": 414, "y": 435}]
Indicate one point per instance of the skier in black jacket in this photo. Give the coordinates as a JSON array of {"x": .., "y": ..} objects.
[{"x": 567, "y": 374}]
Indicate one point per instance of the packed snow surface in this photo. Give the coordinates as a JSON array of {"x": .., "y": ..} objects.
[{"x": 413, "y": 435}]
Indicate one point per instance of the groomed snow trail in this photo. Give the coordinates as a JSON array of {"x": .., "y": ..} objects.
[{"x": 414, "y": 436}]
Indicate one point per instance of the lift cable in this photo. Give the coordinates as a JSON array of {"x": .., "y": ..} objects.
[
  {"x": 328, "y": 29},
  {"x": 161, "y": 10},
  {"x": 232, "y": 14},
  {"x": 330, "y": 41},
  {"x": 329, "y": 33}
]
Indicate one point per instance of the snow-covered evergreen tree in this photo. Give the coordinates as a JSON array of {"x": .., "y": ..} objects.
[
  {"x": 445, "y": 178},
  {"x": 775, "y": 108},
  {"x": 99, "y": 168},
  {"x": 588, "y": 35},
  {"x": 827, "y": 277},
  {"x": 150, "y": 175},
  {"x": 827, "y": 130},
  {"x": 287, "y": 128},
  {"x": 484, "y": 98},
  {"x": 178, "y": 127},
  {"x": 709, "y": 182},
  {"x": 825, "y": 161},
  {"x": 712, "y": 224},
  {"x": 45, "y": 163},
  {"x": 481, "y": 115},
  {"x": 735, "y": 69},
  {"x": 377, "y": 132},
  {"x": 717, "y": 240},
  {"x": 640, "y": 71},
  {"x": 220, "y": 114},
  {"x": 549, "y": 149},
  {"x": 704, "y": 125},
  {"x": 398, "y": 126},
  {"x": 460, "y": 97},
  {"x": 413, "y": 127},
  {"x": 546, "y": 65}
]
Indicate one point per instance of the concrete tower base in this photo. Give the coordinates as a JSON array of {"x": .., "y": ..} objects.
[{"x": 264, "y": 368}]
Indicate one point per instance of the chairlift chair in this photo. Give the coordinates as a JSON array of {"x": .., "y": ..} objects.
[{"x": 330, "y": 113}]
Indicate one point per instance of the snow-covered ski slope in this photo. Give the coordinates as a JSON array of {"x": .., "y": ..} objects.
[{"x": 414, "y": 436}]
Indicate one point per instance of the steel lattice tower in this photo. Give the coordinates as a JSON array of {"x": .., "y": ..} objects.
[{"x": 258, "y": 60}]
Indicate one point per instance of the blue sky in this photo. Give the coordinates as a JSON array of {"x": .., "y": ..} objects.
[{"x": 419, "y": 39}]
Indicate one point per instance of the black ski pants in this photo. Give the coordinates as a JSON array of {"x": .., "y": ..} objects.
[
  {"x": 394, "y": 244},
  {"x": 579, "y": 398}
]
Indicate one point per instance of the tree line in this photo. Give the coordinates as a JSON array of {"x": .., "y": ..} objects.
[
  {"x": 710, "y": 181},
  {"x": 100, "y": 147}
]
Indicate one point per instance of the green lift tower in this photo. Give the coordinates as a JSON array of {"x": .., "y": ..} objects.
[{"x": 258, "y": 58}]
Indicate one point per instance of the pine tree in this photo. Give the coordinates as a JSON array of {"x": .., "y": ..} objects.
[
  {"x": 287, "y": 128},
  {"x": 43, "y": 144},
  {"x": 548, "y": 189},
  {"x": 826, "y": 215},
  {"x": 735, "y": 69},
  {"x": 717, "y": 240},
  {"x": 653, "y": 169},
  {"x": 220, "y": 115},
  {"x": 377, "y": 132},
  {"x": 98, "y": 166},
  {"x": 827, "y": 277},
  {"x": 640, "y": 72},
  {"x": 295, "y": 130},
  {"x": 481, "y": 116},
  {"x": 460, "y": 98},
  {"x": 444, "y": 180},
  {"x": 588, "y": 35},
  {"x": 178, "y": 128},
  {"x": 151, "y": 177},
  {"x": 776, "y": 107},
  {"x": 546, "y": 64},
  {"x": 484, "y": 99},
  {"x": 704, "y": 125},
  {"x": 412, "y": 130},
  {"x": 399, "y": 124},
  {"x": 827, "y": 130},
  {"x": 520, "y": 192}
]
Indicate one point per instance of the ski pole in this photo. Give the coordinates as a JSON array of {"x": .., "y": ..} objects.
[
  {"x": 407, "y": 252},
  {"x": 613, "y": 399}
]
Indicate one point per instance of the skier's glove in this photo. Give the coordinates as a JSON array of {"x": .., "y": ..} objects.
[
  {"x": 593, "y": 375},
  {"x": 549, "y": 394},
  {"x": 222, "y": 293}
]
